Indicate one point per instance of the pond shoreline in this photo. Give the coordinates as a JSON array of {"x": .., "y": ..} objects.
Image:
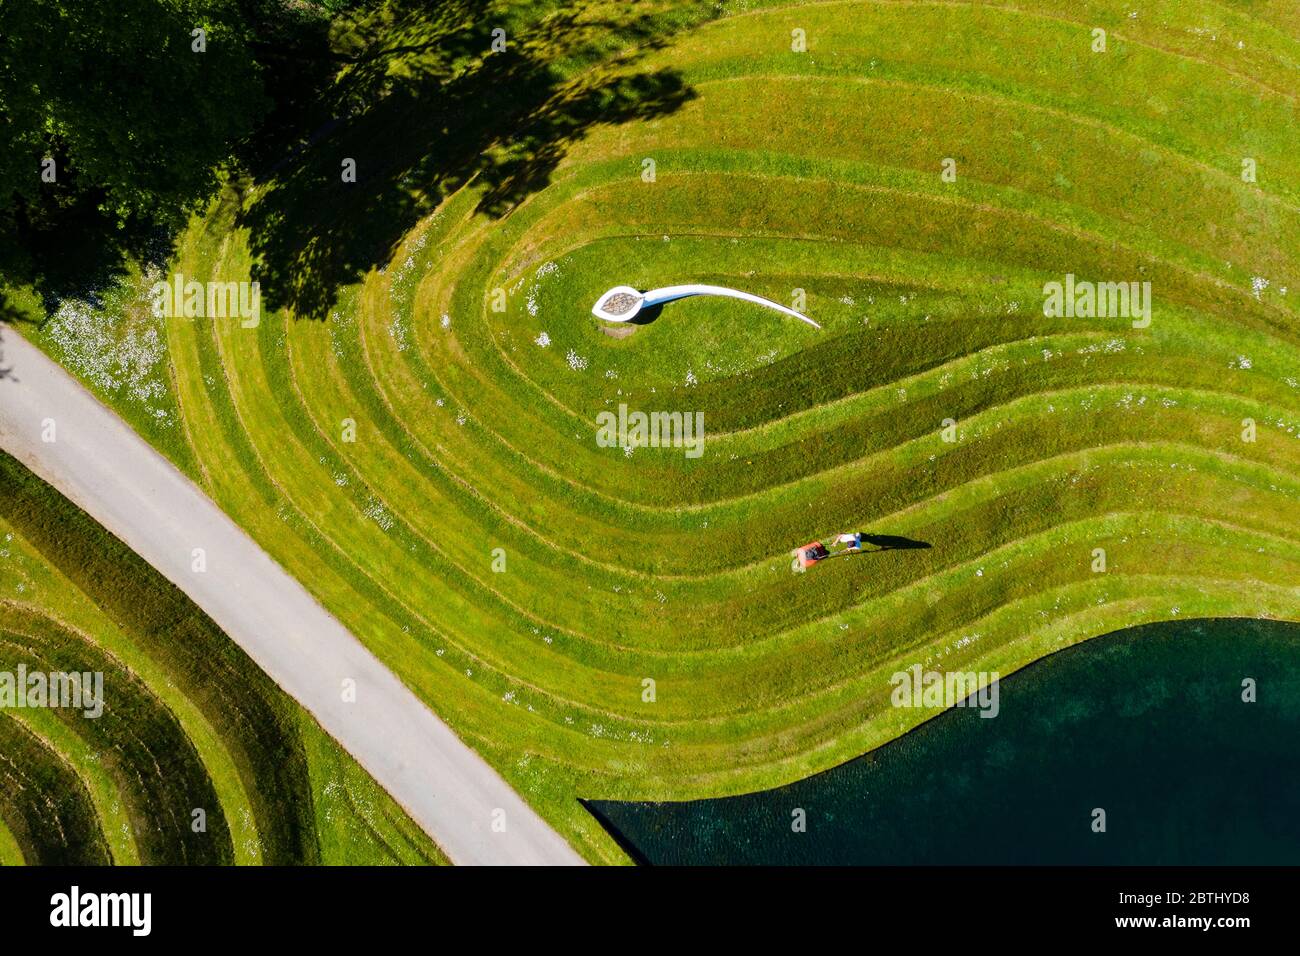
[{"x": 1153, "y": 756}]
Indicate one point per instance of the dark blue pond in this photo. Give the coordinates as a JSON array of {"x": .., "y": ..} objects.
[{"x": 1147, "y": 724}]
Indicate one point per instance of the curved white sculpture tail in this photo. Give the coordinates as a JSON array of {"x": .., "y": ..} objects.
[{"x": 623, "y": 302}]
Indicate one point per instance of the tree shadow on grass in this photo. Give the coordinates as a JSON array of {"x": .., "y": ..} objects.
[
  {"x": 423, "y": 108},
  {"x": 73, "y": 249}
]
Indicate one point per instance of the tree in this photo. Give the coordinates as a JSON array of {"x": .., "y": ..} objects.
[{"x": 138, "y": 103}]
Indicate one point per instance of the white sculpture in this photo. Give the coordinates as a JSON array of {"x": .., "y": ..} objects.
[{"x": 623, "y": 302}]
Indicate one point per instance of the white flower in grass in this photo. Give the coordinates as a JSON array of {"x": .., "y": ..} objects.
[
  {"x": 1257, "y": 285},
  {"x": 543, "y": 340},
  {"x": 376, "y": 512},
  {"x": 446, "y": 321},
  {"x": 94, "y": 343},
  {"x": 398, "y": 332},
  {"x": 576, "y": 361}
]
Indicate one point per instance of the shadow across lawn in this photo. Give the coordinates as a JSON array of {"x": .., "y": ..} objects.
[
  {"x": 424, "y": 106},
  {"x": 74, "y": 251},
  {"x": 893, "y": 542}
]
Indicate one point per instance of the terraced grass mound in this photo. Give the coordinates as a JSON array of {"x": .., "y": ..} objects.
[
  {"x": 394, "y": 454},
  {"x": 186, "y": 722}
]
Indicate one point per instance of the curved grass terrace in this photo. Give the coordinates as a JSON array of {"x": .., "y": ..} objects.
[
  {"x": 475, "y": 429},
  {"x": 187, "y": 721}
]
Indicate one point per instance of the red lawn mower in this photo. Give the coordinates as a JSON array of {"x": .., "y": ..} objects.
[{"x": 810, "y": 554}]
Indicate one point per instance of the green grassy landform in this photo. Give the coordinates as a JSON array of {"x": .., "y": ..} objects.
[
  {"x": 775, "y": 171},
  {"x": 189, "y": 722}
]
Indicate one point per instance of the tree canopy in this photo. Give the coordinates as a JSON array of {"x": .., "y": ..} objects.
[{"x": 137, "y": 103}]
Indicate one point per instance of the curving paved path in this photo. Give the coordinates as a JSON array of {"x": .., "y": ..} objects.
[{"x": 102, "y": 465}]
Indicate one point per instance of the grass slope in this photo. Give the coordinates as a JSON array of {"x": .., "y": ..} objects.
[
  {"x": 775, "y": 171},
  {"x": 189, "y": 721}
]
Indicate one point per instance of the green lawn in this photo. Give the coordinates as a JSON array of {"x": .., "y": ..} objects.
[
  {"x": 775, "y": 171},
  {"x": 188, "y": 723}
]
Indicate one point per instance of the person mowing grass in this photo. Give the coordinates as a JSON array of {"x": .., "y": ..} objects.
[
  {"x": 809, "y": 554},
  {"x": 853, "y": 539}
]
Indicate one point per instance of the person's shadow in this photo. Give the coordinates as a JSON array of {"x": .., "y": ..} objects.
[
  {"x": 882, "y": 542},
  {"x": 893, "y": 542}
]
